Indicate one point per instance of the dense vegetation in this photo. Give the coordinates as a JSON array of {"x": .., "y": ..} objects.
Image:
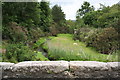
[
  {"x": 63, "y": 47},
  {"x": 34, "y": 31},
  {"x": 105, "y": 33}
]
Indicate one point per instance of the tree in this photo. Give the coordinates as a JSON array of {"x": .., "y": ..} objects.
[
  {"x": 45, "y": 19},
  {"x": 25, "y": 13},
  {"x": 71, "y": 26},
  {"x": 109, "y": 16},
  {"x": 29, "y": 15},
  {"x": 85, "y": 8},
  {"x": 91, "y": 18},
  {"x": 58, "y": 15},
  {"x": 8, "y": 12},
  {"x": 104, "y": 17}
]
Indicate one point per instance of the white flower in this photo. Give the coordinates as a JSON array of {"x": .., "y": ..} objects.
[{"x": 75, "y": 44}]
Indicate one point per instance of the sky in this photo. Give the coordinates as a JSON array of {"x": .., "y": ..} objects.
[{"x": 70, "y": 7}]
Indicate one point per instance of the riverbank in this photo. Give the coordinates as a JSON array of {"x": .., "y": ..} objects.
[{"x": 63, "y": 47}]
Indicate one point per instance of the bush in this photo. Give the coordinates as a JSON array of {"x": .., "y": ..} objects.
[
  {"x": 53, "y": 29},
  {"x": 82, "y": 34},
  {"x": 39, "y": 56},
  {"x": 105, "y": 40},
  {"x": 35, "y": 33},
  {"x": 39, "y": 43},
  {"x": 14, "y": 32},
  {"x": 17, "y": 53}
]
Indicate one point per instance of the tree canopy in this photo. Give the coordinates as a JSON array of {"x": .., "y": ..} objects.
[
  {"x": 85, "y": 8},
  {"x": 57, "y": 14}
]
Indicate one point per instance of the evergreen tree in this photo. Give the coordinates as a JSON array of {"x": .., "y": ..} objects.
[
  {"x": 24, "y": 13},
  {"x": 58, "y": 15},
  {"x": 45, "y": 19},
  {"x": 85, "y": 8}
]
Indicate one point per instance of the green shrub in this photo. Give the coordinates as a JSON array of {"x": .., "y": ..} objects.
[
  {"x": 83, "y": 34},
  {"x": 105, "y": 40},
  {"x": 17, "y": 53},
  {"x": 35, "y": 33},
  {"x": 39, "y": 43},
  {"x": 40, "y": 57},
  {"x": 14, "y": 32},
  {"x": 53, "y": 29}
]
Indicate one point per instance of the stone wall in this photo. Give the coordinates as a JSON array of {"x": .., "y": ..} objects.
[{"x": 60, "y": 69}]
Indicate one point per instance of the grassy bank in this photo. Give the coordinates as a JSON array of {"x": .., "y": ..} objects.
[{"x": 63, "y": 47}]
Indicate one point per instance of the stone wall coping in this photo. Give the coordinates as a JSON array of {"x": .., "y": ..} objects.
[{"x": 60, "y": 69}]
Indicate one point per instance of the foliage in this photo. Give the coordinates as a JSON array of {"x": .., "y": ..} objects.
[
  {"x": 105, "y": 34},
  {"x": 19, "y": 20},
  {"x": 35, "y": 33},
  {"x": 59, "y": 50},
  {"x": 30, "y": 16},
  {"x": 80, "y": 23},
  {"x": 25, "y": 13},
  {"x": 40, "y": 57},
  {"x": 91, "y": 18},
  {"x": 71, "y": 26},
  {"x": 15, "y": 33},
  {"x": 104, "y": 40},
  {"x": 17, "y": 53},
  {"x": 53, "y": 29},
  {"x": 58, "y": 15},
  {"x": 104, "y": 17},
  {"x": 83, "y": 33},
  {"x": 85, "y": 8},
  {"x": 39, "y": 42},
  {"x": 29, "y": 23},
  {"x": 45, "y": 19},
  {"x": 107, "y": 41}
]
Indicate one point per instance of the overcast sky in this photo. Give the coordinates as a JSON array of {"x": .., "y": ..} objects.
[{"x": 71, "y": 6}]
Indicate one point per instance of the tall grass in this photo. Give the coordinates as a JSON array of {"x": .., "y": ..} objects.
[{"x": 63, "y": 47}]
